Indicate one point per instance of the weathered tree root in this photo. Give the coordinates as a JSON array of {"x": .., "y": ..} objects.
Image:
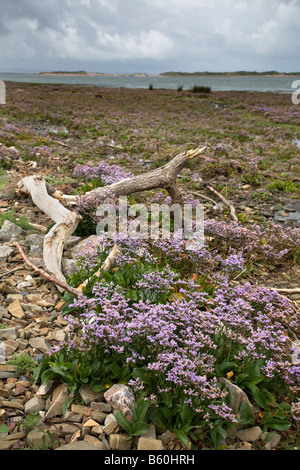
[
  {"x": 66, "y": 221},
  {"x": 44, "y": 274}
]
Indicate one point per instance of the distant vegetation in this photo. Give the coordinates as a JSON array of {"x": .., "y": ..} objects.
[
  {"x": 241, "y": 72},
  {"x": 79, "y": 72},
  {"x": 201, "y": 89}
]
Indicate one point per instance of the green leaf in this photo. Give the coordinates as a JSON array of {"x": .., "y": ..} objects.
[
  {"x": 124, "y": 422},
  {"x": 186, "y": 414},
  {"x": 140, "y": 410},
  {"x": 221, "y": 431},
  {"x": 4, "y": 428},
  {"x": 116, "y": 370},
  {"x": 259, "y": 398},
  {"x": 138, "y": 428},
  {"x": 108, "y": 277},
  {"x": 246, "y": 414},
  {"x": 168, "y": 414},
  {"x": 279, "y": 424},
  {"x": 182, "y": 436},
  {"x": 67, "y": 404}
]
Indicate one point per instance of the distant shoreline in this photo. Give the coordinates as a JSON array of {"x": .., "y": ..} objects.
[
  {"x": 171, "y": 74},
  {"x": 97, "y": 74}
]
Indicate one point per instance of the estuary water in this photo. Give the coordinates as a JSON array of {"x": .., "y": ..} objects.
[{"x": 279, "y": 84}]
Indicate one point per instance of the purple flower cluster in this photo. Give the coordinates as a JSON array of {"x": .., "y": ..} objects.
[
  {"x": 179, "y": 341},
  {"x": 108, "y": 174}
]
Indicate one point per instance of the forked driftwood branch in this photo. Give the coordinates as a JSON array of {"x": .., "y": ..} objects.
[{"x": 50, "y": 202}]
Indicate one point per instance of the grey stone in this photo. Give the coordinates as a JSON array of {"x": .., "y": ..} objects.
[
  {"x": 69, "y": 266},
  {"x": 34, "y": 404},
  {"x": 63, "y": 429},
  {"x": 272, "y": 442},
  {"x": 236, "y": 396},
  {"x": 60, "y": 396},
  {"x": 88, "y": 395},
  {"x": 8, "y": 333},
  {"x": 41, "y": 438},
  {"x": 167, "y": 437},
  {"x": 100, "y": 406},
  {"x": 6, "y": 251},
  {"x": 10, "y": 231},
  {"x": 151, "y": 432},
  {"x": 249, "y": 434},
  {"x": 35, "y": 243},
  {"x": 98, "y": 416},
  {"x": 40, "y": 343}
]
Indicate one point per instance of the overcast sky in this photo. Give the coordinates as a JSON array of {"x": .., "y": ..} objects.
[{"x": 151, "y": 36}]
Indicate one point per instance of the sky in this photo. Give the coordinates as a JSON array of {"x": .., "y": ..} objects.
[{"x": 151, "y": 36}]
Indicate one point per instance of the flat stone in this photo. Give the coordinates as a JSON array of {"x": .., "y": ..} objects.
[
  {"x": 81, "y": 409},
  {"x": 6, "y": 252},
  {"x": 16, "y": 310},
  {"x": 88, "y": 395},
  {"x": 63, "y": 429},
  {"x": 40, "y": 343},
  {"x": 79, "y": 445},
  {"x": 110, "y": 426},
  {"x": 57, "y": 335},
  {"x": 249, "y": 434},
  {"x": 34, "y": 405},
  {"x": 94, "y": 441},
  {"x": 272, "y": 442},
  {"x": 166, "y": 437},
  {"x": 90, "y": 423},
  {"x": 12, "y": 404},
  {"x": 9, "y": 333},
  {"x": 148, "y": 443},
  {"x": 98, "y": 416},
  {"x": 100, "y": 406},
  {"x": 10, "y": 231},
  {"x": 236, "y": 396},
  {"x": 119, "y": 442},
  {"x": 58, "y": 401},
  {"x": 40, "y": 438}
]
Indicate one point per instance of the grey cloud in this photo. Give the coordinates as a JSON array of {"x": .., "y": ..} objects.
[{"x": 99, "y": 35}]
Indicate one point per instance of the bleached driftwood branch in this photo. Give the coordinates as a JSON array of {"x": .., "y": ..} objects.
[
  {"x": 163, "y": 177},
  {"x": 65, "y": 220}
]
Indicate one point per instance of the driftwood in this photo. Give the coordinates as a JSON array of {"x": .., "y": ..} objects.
[
  {"x": 65, "y": 220},
  {"x": 50, "y": 202},
  {"x": 231, "y": 207},
  {"x": 163, "y": 177},
  {"x": 44, "y": 274}
]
